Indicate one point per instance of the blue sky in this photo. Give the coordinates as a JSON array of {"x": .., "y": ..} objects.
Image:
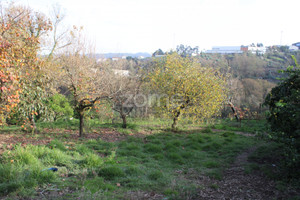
[{"x": 144, "y": 25}]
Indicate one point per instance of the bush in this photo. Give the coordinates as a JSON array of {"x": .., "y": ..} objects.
[
  {"x": 284, "y": 116},
  {"x": 61, "y": 107}
]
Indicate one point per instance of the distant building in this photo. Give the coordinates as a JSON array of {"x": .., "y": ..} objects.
[
  {"x": 225, "y": 49},
  {"x": 159, "y": 56},
  {"x": 296, "y": 44},
  {"x": 295, "y": 47},
  {"x": 257, "y": 49},
  {"x": 244, "y": 48}
]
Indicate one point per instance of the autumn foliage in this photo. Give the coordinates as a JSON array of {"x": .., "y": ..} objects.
[
  {"x": 20, "y": 33},
  {"x": 186, "y": 88}
]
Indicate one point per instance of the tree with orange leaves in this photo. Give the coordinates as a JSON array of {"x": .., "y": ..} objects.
[{"x": 20, "y": 35}]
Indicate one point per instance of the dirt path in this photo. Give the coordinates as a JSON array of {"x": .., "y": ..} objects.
[{"x": 236, "y": 184}]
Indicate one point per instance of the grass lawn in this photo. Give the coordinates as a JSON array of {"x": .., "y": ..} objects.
[{"x": 144, "y": 161}]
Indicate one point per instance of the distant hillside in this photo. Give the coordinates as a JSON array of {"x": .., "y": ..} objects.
[{"x": 111, "y": 55}]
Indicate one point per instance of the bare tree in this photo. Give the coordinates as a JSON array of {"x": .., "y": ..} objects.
[
  {"x": 86, "y": 83},
  {"x": 124, "y": 94},
  {"x": 60, "y": 36}
]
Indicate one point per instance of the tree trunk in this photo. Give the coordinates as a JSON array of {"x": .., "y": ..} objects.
[
  {"x": 123, "y": 116},
  {"x": 81, "y": 123},
  {"x": 175, "y": 121},
  {"x": 176, "y": 117},
  {"x": 124, "y": 125},
  {"x": 33, "y": 121},
  {"x": 234, "y": 111}
]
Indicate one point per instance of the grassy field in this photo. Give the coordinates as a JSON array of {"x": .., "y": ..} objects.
[{"x": 143, "y": 160}]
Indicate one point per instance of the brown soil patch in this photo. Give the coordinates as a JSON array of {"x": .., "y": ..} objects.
[{"x": 8, "y": 140}]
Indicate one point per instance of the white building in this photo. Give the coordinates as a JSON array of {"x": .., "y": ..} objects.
[
  {"x": 225, "y": 49},
  {"x": 256, "y": 49},
  {"x": 293, "y": 48}
]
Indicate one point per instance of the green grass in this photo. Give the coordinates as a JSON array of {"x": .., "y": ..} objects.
[
  {"x": 132, "y": 124},
  {"x": 250, "y": 126},
  {"x": 95, "y": 169},
  {"x": 135, "y": 164}
]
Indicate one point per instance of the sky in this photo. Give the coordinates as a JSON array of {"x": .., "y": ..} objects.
[{"x": 131, "y": 26}]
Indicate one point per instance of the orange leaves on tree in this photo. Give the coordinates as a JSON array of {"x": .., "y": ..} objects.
[{"x": 19, "y": 43}]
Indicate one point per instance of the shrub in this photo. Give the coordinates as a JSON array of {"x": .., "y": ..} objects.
[
  {"x": 60, "y": 105},
  {"x": 284, "y": 117}
]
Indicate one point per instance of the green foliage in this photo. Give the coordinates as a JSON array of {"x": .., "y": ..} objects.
[
  {"x": 32, "y": 105},
  {"x": 283, "y": 102},
  {"x": 284, "y": 116},
  {"x": 61, "y": 107}
]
